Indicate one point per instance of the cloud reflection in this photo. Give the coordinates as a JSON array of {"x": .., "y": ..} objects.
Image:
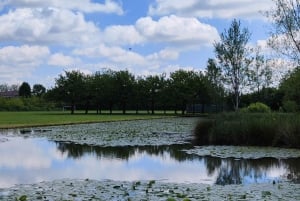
[{"x": 34, "y": 160}]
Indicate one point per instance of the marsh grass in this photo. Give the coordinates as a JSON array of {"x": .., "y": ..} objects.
[{"x": 272, "y": 129}]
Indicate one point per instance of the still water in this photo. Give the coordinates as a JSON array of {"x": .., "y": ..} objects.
[{"x": 32, "y": 160}]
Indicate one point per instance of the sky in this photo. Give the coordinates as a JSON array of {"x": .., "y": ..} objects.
[{"x": 39, "y": 39}]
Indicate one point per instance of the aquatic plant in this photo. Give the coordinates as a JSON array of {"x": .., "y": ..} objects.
[
  {"x": 22, "y": 198},
  {"x": 272, "y": 129}
]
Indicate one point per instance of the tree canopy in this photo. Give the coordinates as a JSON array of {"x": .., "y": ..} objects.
[
  {"x": 122, "y": 90},
  {"x": 232, "y": 54},
  {"x": 25, "y": 90},
  {"x": 285, "y": 35}
]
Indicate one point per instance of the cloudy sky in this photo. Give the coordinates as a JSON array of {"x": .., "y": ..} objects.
[{"x": 41, "y": 39}]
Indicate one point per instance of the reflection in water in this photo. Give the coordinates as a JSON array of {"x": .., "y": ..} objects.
[
  {"x": 29, "y": 160},
  {"x": 228, "y": 171}
]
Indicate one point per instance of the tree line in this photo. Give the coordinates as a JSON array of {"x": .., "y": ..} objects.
[{"x": 121, "y": 90}]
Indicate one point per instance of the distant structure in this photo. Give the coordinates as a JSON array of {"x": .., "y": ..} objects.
[{"x": 9, "y": 94}]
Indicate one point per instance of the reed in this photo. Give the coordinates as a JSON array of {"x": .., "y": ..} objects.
[{"x": 245, "y": 129}]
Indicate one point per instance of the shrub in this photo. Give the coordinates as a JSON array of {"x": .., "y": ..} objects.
[{"x": 258, "y": 108}]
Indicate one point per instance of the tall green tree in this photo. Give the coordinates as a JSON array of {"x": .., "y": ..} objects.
[
  {"x": 38, "y": 90},
  {"x": 232, "y": 54},
  {"x": 214, "y": 82},
  {"x": 290, "y": 86},
  {"x": 285, "y": 36},
  {"x": 154, "y": 86},
  {"x": 70, "y": 88},
  {"x": 184, "y": 85},
  {"x": 25, "y": 90},
  {"x": 124, "y": 83}
]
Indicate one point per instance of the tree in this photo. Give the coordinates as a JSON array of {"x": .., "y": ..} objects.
[
  {"x": 232, "y": 54},
  {"x": 38, "y": 90},
  {"x": 124, "y": 83},
  {"x": 104, "y": 87},
  {"x": 290, "y": 87},
  {"x": 260, "y": 72},
  {"x": 214, "y": 82},
  {"x": 25, "y": 90},
  {"x": 70, "y": 88},
  {"x": 154, "y": 86},
  {"x": 185, "y": 88},
  {"x": 286, "y": 20}
]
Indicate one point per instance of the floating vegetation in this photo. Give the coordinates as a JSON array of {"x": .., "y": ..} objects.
[
  {"x": 106, "y": 190},
  {"x": 240, "y": 152},
  {"x": 124, "y": 133}
]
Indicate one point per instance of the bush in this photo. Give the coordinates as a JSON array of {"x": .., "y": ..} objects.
[{"x": 258, "y": 108}]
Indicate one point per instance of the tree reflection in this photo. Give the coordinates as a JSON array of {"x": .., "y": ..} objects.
[
  {"x": 233, "y": 171},
  {"x": 228, "y": 170},
  {"x": 124, "y": 152},
  {"x": 294, "y": 170}
]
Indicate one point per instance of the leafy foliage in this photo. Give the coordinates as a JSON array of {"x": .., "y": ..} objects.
[
  {"x": 258, "y": 108},
  {"x": 290, "y": 87},
  {"x": 110, "y": 90},
  {"x": 231, "y": 53},
  {"x": 25, "y": 90},
  {"x": 285, "y": 37}
]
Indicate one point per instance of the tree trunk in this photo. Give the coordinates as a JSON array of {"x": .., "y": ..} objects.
[
  {"x": 87, "y": 107},
  {"x": 72, "y": 107}
]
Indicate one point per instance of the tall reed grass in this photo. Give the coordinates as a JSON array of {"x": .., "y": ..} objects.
[{"x": 272, "y": 129}]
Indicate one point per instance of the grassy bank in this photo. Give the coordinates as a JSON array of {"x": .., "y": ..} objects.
[
  {"x": 31, "y": 119},
  {"x": 273, "y": 129}
]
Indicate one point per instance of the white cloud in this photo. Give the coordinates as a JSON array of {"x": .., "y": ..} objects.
[
  {"x": 169, "y": 30},
  {"x": 211, "y": 8},
  {"x": 17, "y": 62},
  {"x": 165, "y": 54},
  {"x": 114, "y": 54},
  {"x": 59, "y": 59},
  {"x": 177, "y": 31},
  {"x": 108, "y": 6},
  {"x": 122, "y": 35},
  {"x": 52, "y": 26}
]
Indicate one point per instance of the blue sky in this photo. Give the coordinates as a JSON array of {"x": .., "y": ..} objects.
[{"x": 41, "y": 39}]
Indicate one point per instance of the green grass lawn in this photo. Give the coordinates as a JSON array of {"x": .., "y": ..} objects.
[{"x": 30, "y": 119}]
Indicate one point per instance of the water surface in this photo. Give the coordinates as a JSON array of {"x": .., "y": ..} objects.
[{"x": 32, "y": 160}]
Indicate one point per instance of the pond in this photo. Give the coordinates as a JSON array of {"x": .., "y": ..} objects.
[
  {"x": 33, "y": 160},
  {"x": 137, "y": 160}
]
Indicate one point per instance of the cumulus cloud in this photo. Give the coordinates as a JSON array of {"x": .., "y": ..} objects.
[
  {"x": 211, "y": 8},
  {"x": 165, "y": 54},
  {"x": 17, "y": 62},
  {"x": 88, "y": 6},
  {"x": 47, "y": 26},
  {"x": 59, "y": 59},
  {"x": 112, "y": 53},
  {"x": 168, "y": 30},
  {"x": 122, "y": 35},
  {"x": 172, "y": 35},
  {"x": 175, "y": 30}
]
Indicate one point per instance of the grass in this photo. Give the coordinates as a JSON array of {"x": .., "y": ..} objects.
[
  {"x": 33, "y": 119},
  {"x": 273, "y": 129}
]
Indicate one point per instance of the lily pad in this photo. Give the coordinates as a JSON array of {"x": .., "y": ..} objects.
[{"x": 241, "y": 152}]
